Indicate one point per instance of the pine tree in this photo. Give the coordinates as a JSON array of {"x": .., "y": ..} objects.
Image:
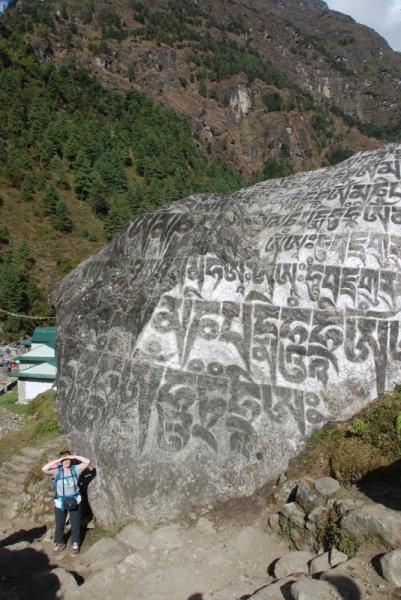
[
  {"x": 178, "y": 185},
  {"x": 61, "y": 220},
  {"x": 71, "y": 147},
  {"x": 50, "y": 200},
  {"x": 26, "y": 191},
  {"x": 23, "y": 256},
  {"x": 11, "y": 288},
  {"x": 113, "y": 222},
  {"x": 82, "y": 179},
  {"x": 202, "y": 88},
  {"x": 97, "y": 194}
]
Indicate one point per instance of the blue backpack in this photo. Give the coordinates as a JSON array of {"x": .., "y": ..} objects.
[{"x": 67, "y": 502}]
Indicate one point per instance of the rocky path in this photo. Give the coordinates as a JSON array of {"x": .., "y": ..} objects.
[{"x": 229, "y": 551}]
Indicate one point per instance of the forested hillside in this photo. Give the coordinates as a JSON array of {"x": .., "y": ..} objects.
[{"x": 111, "y": 108}]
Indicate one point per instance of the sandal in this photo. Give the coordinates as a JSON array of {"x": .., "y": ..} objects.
[
  {"x": 58, "y": 548},
  {"x": 75, "y": 548}
]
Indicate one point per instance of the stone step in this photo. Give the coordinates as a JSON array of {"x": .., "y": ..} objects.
[
  {"x": 34, "y": 453},
  {"x": 11, "y": 488},
  {"x": 4, "y": 501},
  {"x": 17, "y": 468},
  {"x": 22, "y": 460},
  {"x": 15, "y": 477}
]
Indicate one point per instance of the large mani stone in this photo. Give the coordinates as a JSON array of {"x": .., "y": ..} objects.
[{"x": 199, "y": 349}]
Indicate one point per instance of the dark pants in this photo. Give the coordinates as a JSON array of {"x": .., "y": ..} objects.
[{"x": 75, "y": 520}]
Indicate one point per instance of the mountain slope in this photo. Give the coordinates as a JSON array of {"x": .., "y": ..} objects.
[{"x": 248, "y": 92}]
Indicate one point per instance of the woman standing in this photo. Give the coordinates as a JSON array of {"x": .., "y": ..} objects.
[{"x": 67, "y": 497}]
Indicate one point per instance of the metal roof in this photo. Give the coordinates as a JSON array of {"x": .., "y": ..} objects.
[{"x": 45, "y": 370}]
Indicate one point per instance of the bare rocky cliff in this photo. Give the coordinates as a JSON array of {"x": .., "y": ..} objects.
[{"x": 325, "y": 53}]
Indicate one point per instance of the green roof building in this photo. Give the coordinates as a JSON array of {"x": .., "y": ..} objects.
[{"x": 37, "y": 366}]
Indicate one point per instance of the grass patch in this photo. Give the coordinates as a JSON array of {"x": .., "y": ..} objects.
[
  {"x": 42, "y": 421},
  {"x": 94, "y": 535},
  {"x": 10, "y": 397}
]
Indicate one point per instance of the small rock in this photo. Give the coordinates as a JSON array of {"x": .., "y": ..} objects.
[
  {"x": 274, "y": 523},
  {"x": 331, "y": 503},
  {"x": 236, "y": 589},
  {"x": 311, "y": 589},
  {"x": 318, "y": 515},
  {"x": 286, "y": 492},
  {"x": 282, "y": 478},
  {"x": 306, "y": 498},
  {"x": 374, "y": 520},
  {"x": 205, "y": 526},
  {"x": 310, "y": 526},
  {"x": 18, "y": 546},
  {"x": 143, "y": 560},
  {"x": 319, "y": 564},
  {"x": 344, "y": 506},
  {"x": 192, "y": 516},
  {"x": 326, "y": 486},
  {"x": 292, "y": 512},
  {"x": 391, "y": 567},
  {"x": 168, "y": 537},
  {"x": 336, "y": 557},
  {"x": 134, "y": 536},
  {"x": 293, "y": 562}
]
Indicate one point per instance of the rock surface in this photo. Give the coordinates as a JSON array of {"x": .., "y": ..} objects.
[
  {"x": 134, "y": 536},
  {"x": 209, "y": 338},
  {"x": 374, "y": 520},
  {"x": 293, "y": 562},
  {"x": 391, "y": 567},
  {"x": 102, "y": 554}
]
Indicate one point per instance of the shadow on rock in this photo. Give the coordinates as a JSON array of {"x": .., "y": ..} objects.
[
  {"x": 24, "y": 536},
  {"x": 382, "y": 485},
  {"x": 17, "y": 566},
  {"x": 346, "y": 587}
]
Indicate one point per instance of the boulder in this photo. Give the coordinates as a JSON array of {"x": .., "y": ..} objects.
[
  {"x": 102, "y": 554},
  {"x": 326, "y": 486},
  {"x": 306, "y": 498},
  {"x": 50, "y": 585},
  {"x": 134, "y": 536},
  {"x": 391, "y": 567},
  {"x": 293, "y": 562},
  {"x": 376, "y": 520},
  {"x": 198, "y": 350}
]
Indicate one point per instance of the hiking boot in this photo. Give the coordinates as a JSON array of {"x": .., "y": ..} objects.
[
  {"x": 75, "y": 548},
  {"x": 58, "y": 548}
]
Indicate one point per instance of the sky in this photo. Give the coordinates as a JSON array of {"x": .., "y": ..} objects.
[{"x": 382, "y": 15}]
